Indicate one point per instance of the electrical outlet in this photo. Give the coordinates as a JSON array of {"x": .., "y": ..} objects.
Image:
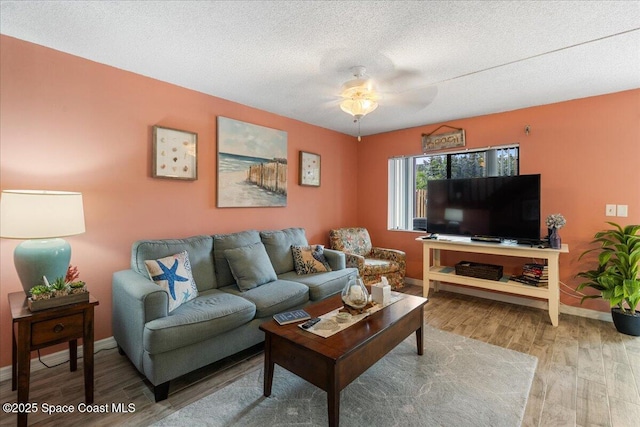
[
  {"x": 610, "y": 210},
  {"x": 622, "y": 210}
]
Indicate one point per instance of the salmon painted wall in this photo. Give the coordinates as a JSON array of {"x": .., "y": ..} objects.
[
  {"x": 586, "y": 151},
  {"x": 67, "y": 123},
  {"x": 71, "y": 124}
]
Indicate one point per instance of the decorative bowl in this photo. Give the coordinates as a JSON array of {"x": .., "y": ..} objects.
[{"x": 343, "y": 317}]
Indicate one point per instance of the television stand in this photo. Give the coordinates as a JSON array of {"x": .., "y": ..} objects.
[{"x": 434, "y": 272}]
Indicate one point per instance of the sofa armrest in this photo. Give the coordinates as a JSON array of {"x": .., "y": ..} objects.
[
  {"x": 136, "y": 300},
  {"x": 392, "y": 255},
  {"x": 336, "y": 259}
]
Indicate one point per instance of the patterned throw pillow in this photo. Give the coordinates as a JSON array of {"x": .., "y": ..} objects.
[
  {"x": 173, "y": 274},
  {"x": 309, "y": 259}
]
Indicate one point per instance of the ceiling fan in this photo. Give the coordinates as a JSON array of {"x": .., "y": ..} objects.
[{"x": 361, "y": 95}]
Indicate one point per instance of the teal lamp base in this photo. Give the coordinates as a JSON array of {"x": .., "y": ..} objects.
[{"x": 41, "y": 257}]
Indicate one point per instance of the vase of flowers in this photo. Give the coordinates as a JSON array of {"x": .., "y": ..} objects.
[{"x": 554, "y": 223}]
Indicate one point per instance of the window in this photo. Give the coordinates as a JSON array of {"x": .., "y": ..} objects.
[{"x": 408, "y": 178}]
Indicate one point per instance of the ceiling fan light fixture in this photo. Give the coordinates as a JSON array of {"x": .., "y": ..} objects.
[
  {"x": 359, "y": 96},
  {"x": 359, "y": 84},
  {"x": 360, "y": 104}
]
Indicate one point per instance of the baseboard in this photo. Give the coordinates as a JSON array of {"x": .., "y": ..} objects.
[
  {"x": 585, "y": 312},
  {"x": 58, "y": 357},
  {"x": 512, "y": 299}
]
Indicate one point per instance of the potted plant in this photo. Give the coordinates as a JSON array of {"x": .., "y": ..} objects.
[
  {"x": 40, "y": 292},
  {"x": 59, "y": 287},
  {"x": 616, "y": 276},
  {"x": 77, "y": 287}
]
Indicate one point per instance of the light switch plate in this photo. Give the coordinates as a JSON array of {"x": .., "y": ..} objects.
[
  {"x": 622, "y": 210},
  {"x": 610, "y": 210}
]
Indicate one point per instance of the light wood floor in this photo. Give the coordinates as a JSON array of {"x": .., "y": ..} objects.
[{"x": 587, "y": 374}]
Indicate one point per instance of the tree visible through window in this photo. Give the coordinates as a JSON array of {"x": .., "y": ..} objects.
[{"x": 408, "y": 177}]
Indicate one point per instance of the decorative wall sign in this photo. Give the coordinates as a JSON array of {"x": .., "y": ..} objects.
[
  {"x": 175, "y": 154},
  {"x": 252, "y": 165},
  {"x": 309, "y": 169},
  {"x": 431, "y": 142}
]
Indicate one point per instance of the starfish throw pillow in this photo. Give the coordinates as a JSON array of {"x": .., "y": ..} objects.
[{"x": 173, "y": 274}]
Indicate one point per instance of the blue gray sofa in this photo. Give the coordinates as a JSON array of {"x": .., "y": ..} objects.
[{"x": 223, "y": 319}]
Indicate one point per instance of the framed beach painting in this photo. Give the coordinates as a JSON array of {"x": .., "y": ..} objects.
[
  {"x": 252, "y": 165},
  {"x": 175, "y": 154}
]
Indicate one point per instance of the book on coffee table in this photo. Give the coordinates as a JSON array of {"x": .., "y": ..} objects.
[{"x": 291, "y": 317}]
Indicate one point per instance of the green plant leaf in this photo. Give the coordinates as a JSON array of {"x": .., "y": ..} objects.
[
  {"x": 632, "y": 293},
  {"x": 616, "y": 276},
  {"x": 604, "y": 257}
]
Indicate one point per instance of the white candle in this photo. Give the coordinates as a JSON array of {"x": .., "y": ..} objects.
[{"x": 355, "y": 293}]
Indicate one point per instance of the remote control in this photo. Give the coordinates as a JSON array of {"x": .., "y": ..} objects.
[{"x": 309, "y": 323}]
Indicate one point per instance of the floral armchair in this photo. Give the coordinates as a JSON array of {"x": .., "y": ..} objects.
[{"x": 371, "y": 262}]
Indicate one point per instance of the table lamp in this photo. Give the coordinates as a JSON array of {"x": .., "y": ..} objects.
[{"x": 43, "y": 217}]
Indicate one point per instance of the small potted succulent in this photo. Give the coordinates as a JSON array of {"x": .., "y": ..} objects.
[
  {"x": 77, "y": 287},
  {"x": 59, "y": 287},
  {"x": 40, "y": 292}
]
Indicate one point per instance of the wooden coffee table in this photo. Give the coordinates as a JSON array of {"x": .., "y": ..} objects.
[{"x": 333, "y": 363}]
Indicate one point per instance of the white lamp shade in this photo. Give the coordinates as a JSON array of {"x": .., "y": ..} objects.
[{"x": 39, "y": 214}]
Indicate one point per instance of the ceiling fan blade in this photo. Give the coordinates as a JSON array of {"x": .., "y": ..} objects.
[
  {"x": 401, "y": 79},
  {"x": 414, "y": 99},
  {"x": 339, "y": 62}
]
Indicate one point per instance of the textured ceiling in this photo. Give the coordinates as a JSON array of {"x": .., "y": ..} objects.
[{"x": 434, "y": 61}]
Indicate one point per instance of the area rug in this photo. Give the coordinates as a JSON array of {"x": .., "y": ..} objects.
[{"x": 457, "y": 382}]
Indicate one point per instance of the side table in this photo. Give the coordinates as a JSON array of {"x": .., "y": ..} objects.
[{"x": 48, "y": 327}]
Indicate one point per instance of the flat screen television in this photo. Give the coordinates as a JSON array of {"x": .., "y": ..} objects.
[{"x": 505, "y": 207}]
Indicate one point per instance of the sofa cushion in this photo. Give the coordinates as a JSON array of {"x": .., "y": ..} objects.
[
  {"x": 322, "y": 285},
  {"x": 173, "y": 274},
  {"x": 379, "y": 266},
  {"x": 199, "y": 248},
  {"x": 274, "y": 297},
  {"x": 278, "y": 245},
  {"x": 309, "y": 259},
  {"x": 221, "y": 242},
  {"x": 211, "y": 314},
  {"x": 250, "y": 266}
]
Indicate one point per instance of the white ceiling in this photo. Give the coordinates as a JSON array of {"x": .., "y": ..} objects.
[{"x": 290, "y": 57}]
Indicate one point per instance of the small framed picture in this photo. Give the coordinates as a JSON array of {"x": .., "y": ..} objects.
[
  {"x": 309, "y": 169},
  {"x": 175, "y": 154}
]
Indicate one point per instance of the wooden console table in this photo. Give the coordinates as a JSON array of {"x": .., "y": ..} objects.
[
  {"x": 44, "y": 328},
  {"x": 433, "y": 271}
]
